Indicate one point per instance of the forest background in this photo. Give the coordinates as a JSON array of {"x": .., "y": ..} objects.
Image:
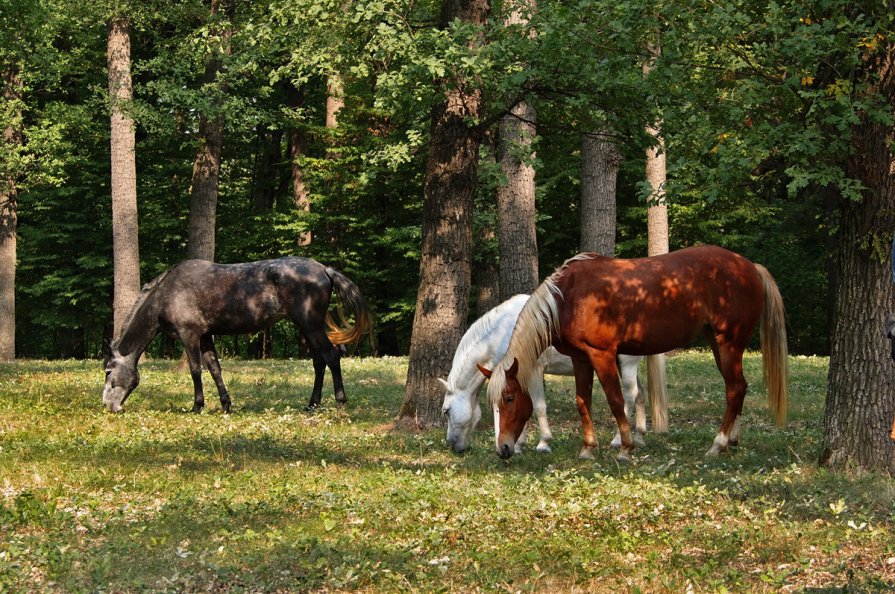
[{"x": 745, "y": 130}]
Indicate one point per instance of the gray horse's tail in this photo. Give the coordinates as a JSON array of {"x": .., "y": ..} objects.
[{"x": 341, "y": 331}]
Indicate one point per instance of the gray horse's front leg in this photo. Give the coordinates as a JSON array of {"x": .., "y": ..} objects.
[
  {"x": 193, "y": 356},
  {"x": 210, "y": 355}
]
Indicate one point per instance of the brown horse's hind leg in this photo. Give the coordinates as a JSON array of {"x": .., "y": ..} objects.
[
  {"x": 730, "y": 363},
  {"x": 210, "y": 356},
  {"x": 584, "y": 389},
  {"x": 607, "y": 370}
]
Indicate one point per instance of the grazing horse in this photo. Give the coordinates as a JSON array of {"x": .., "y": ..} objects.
[
  {"x": 485, "y": 343},
  {"x": 197, "y": 299},
  {"x": 593, "y": 308}
]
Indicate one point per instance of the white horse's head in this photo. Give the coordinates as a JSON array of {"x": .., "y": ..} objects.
[
  {"x": 121, "y": 379},
  {"x": 463, "y": 413}
]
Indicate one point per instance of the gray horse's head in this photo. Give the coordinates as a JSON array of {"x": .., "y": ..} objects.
[{"x": 121, "y": 379}]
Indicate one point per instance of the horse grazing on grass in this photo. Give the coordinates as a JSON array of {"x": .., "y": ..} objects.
[
  {"x": 593, "y": 308},
  {"x": 485, "y": 343},
  {"x": 197, "y": 299}
]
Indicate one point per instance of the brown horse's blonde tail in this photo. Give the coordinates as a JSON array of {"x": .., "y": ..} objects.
[
  {"x": 774, "y": 351},
  {"x": 658, "y": 393},
  {"x": 341, "y": 331}
]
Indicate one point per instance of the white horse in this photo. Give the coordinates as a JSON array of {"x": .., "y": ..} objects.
[{"x": 486, "y": 342}]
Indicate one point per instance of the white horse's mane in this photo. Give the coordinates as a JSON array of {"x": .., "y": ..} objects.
[{"x": 533, "y": 332}]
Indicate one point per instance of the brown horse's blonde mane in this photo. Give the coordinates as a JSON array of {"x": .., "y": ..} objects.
[{"x": 533, "y": 333}]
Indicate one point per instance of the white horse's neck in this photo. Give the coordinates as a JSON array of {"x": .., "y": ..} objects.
[{"x": 484, "y": 343}]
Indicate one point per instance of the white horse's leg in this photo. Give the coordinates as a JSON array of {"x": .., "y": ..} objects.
[
  {"x": 633, "y": 394},
  {"x": 539, "y": 402}
]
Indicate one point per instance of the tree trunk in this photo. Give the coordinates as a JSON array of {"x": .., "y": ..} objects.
[
  {"x": 861, "y": 383},
  {"x": 443, "y": 297},
  {"x": 516, "y": 210},
  {"x": 335, "y": 101},
  {"x": 12, "y": 140},
  {"x": 600, "y": 161},
  {"x": 125, "y": 229},
  {"x": 297, "y": 148},
  {"x": 487, "y": 277},
  {"x": 657, "y": 209},
  {"x": 207, "y": 167}
]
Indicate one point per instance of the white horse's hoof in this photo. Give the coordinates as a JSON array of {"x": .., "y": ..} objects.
[
  {"x": 543, "y": 447},
  {"x": 517, "y": 450},
  {"x": 639, "y": 441},
  {"x": 617, "y": 442}
]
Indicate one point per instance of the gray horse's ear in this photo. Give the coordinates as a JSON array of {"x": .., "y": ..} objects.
[{"x": 443, "y": 383}]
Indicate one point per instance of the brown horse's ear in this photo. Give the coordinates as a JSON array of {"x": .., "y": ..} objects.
[
  {"x": 485, "y": 372},
  {"x": 514, "y": 368}
]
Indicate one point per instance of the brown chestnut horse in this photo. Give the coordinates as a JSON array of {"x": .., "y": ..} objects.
[{"x": 594, "y": 308}]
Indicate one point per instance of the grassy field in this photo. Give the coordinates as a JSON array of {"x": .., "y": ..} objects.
[{"x": 271, "y": 499}]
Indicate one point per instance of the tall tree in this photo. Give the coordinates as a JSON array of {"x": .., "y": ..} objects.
[
  {"x": 442, "y": 300},
  {"x": 516, "y": 209},
  {"x": 600, "y": 161},
  {"x": 11, "y": 141},
  {"x": 125, "y": 228},
  {"x": 297, "y": 147},
  {"x": 861, "y": 386},
  {"x": 657, "y": 208},
  {"x": 207, "y": 166}
]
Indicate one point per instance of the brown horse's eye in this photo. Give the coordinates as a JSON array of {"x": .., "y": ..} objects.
[{"x": 508, "y": 398}]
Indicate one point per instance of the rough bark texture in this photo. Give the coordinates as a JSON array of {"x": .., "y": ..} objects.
[
  {"x": 125, "y": 228},
  {"x": 657, "y": 210},
  {"x": 861, "y": 384},
  {"x": 335, "y": 101},
  {"x": 12, "y": 139},
  {"x": 516, "y": 210},
  {"x": 443, "y": 297},
  {"x": 600, "y": 161},
  {"x": 207, "y": 167}
]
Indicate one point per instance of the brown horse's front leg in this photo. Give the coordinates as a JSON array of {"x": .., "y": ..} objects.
[
  {"x": 604, "y": 362},
  {"x": 584, "y": 389}
]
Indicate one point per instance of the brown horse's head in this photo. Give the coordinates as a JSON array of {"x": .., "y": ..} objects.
[{"x": 512, "y": 406}]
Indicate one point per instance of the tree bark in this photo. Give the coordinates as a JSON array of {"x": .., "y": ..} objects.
[
  {"x": 125, "y": 228},
  {"x": 516, "y": 209},
  {"x": 600, "y": 161},
  {"x": 657, "y": 208},
  {"x": 443, "y": 297},
  {"x": 12, "y": 140},
  {"x": 861, "y": 383},
  {"x": 207, "y": 167},
  {"x": 335, "y": 101}
]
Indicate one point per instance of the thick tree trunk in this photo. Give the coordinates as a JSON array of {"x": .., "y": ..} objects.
[
  {"x": 487, "y": 277},
  {"x": 335, "y": 101},
  {"x": 516, "y": 209},
  {"x": 861, "y": 384},
  {"x": 600, "y": 161},
  {"x": 125, "y": 229},
  {"x": 207, "y": 167},
  {"x": 12, "y": 140},
  {"x": 443, "y": 297}
]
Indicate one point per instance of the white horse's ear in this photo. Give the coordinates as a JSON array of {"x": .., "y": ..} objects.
[
  {"x": 485, "y": 372},
  {"x": 443, "y": 383}
]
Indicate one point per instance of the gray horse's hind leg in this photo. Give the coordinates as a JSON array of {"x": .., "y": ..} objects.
[
  {"x": 319, "y": 370},
  {"x": 210, "y": 355}
]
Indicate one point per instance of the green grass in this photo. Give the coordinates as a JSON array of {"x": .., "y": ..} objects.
[{"x": 271, "y": 499}]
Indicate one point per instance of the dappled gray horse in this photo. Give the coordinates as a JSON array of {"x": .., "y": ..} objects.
[{"x": 197, "y": 299}]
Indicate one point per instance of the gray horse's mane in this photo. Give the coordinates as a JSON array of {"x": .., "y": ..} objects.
[{"x": 145, "y": 292}]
